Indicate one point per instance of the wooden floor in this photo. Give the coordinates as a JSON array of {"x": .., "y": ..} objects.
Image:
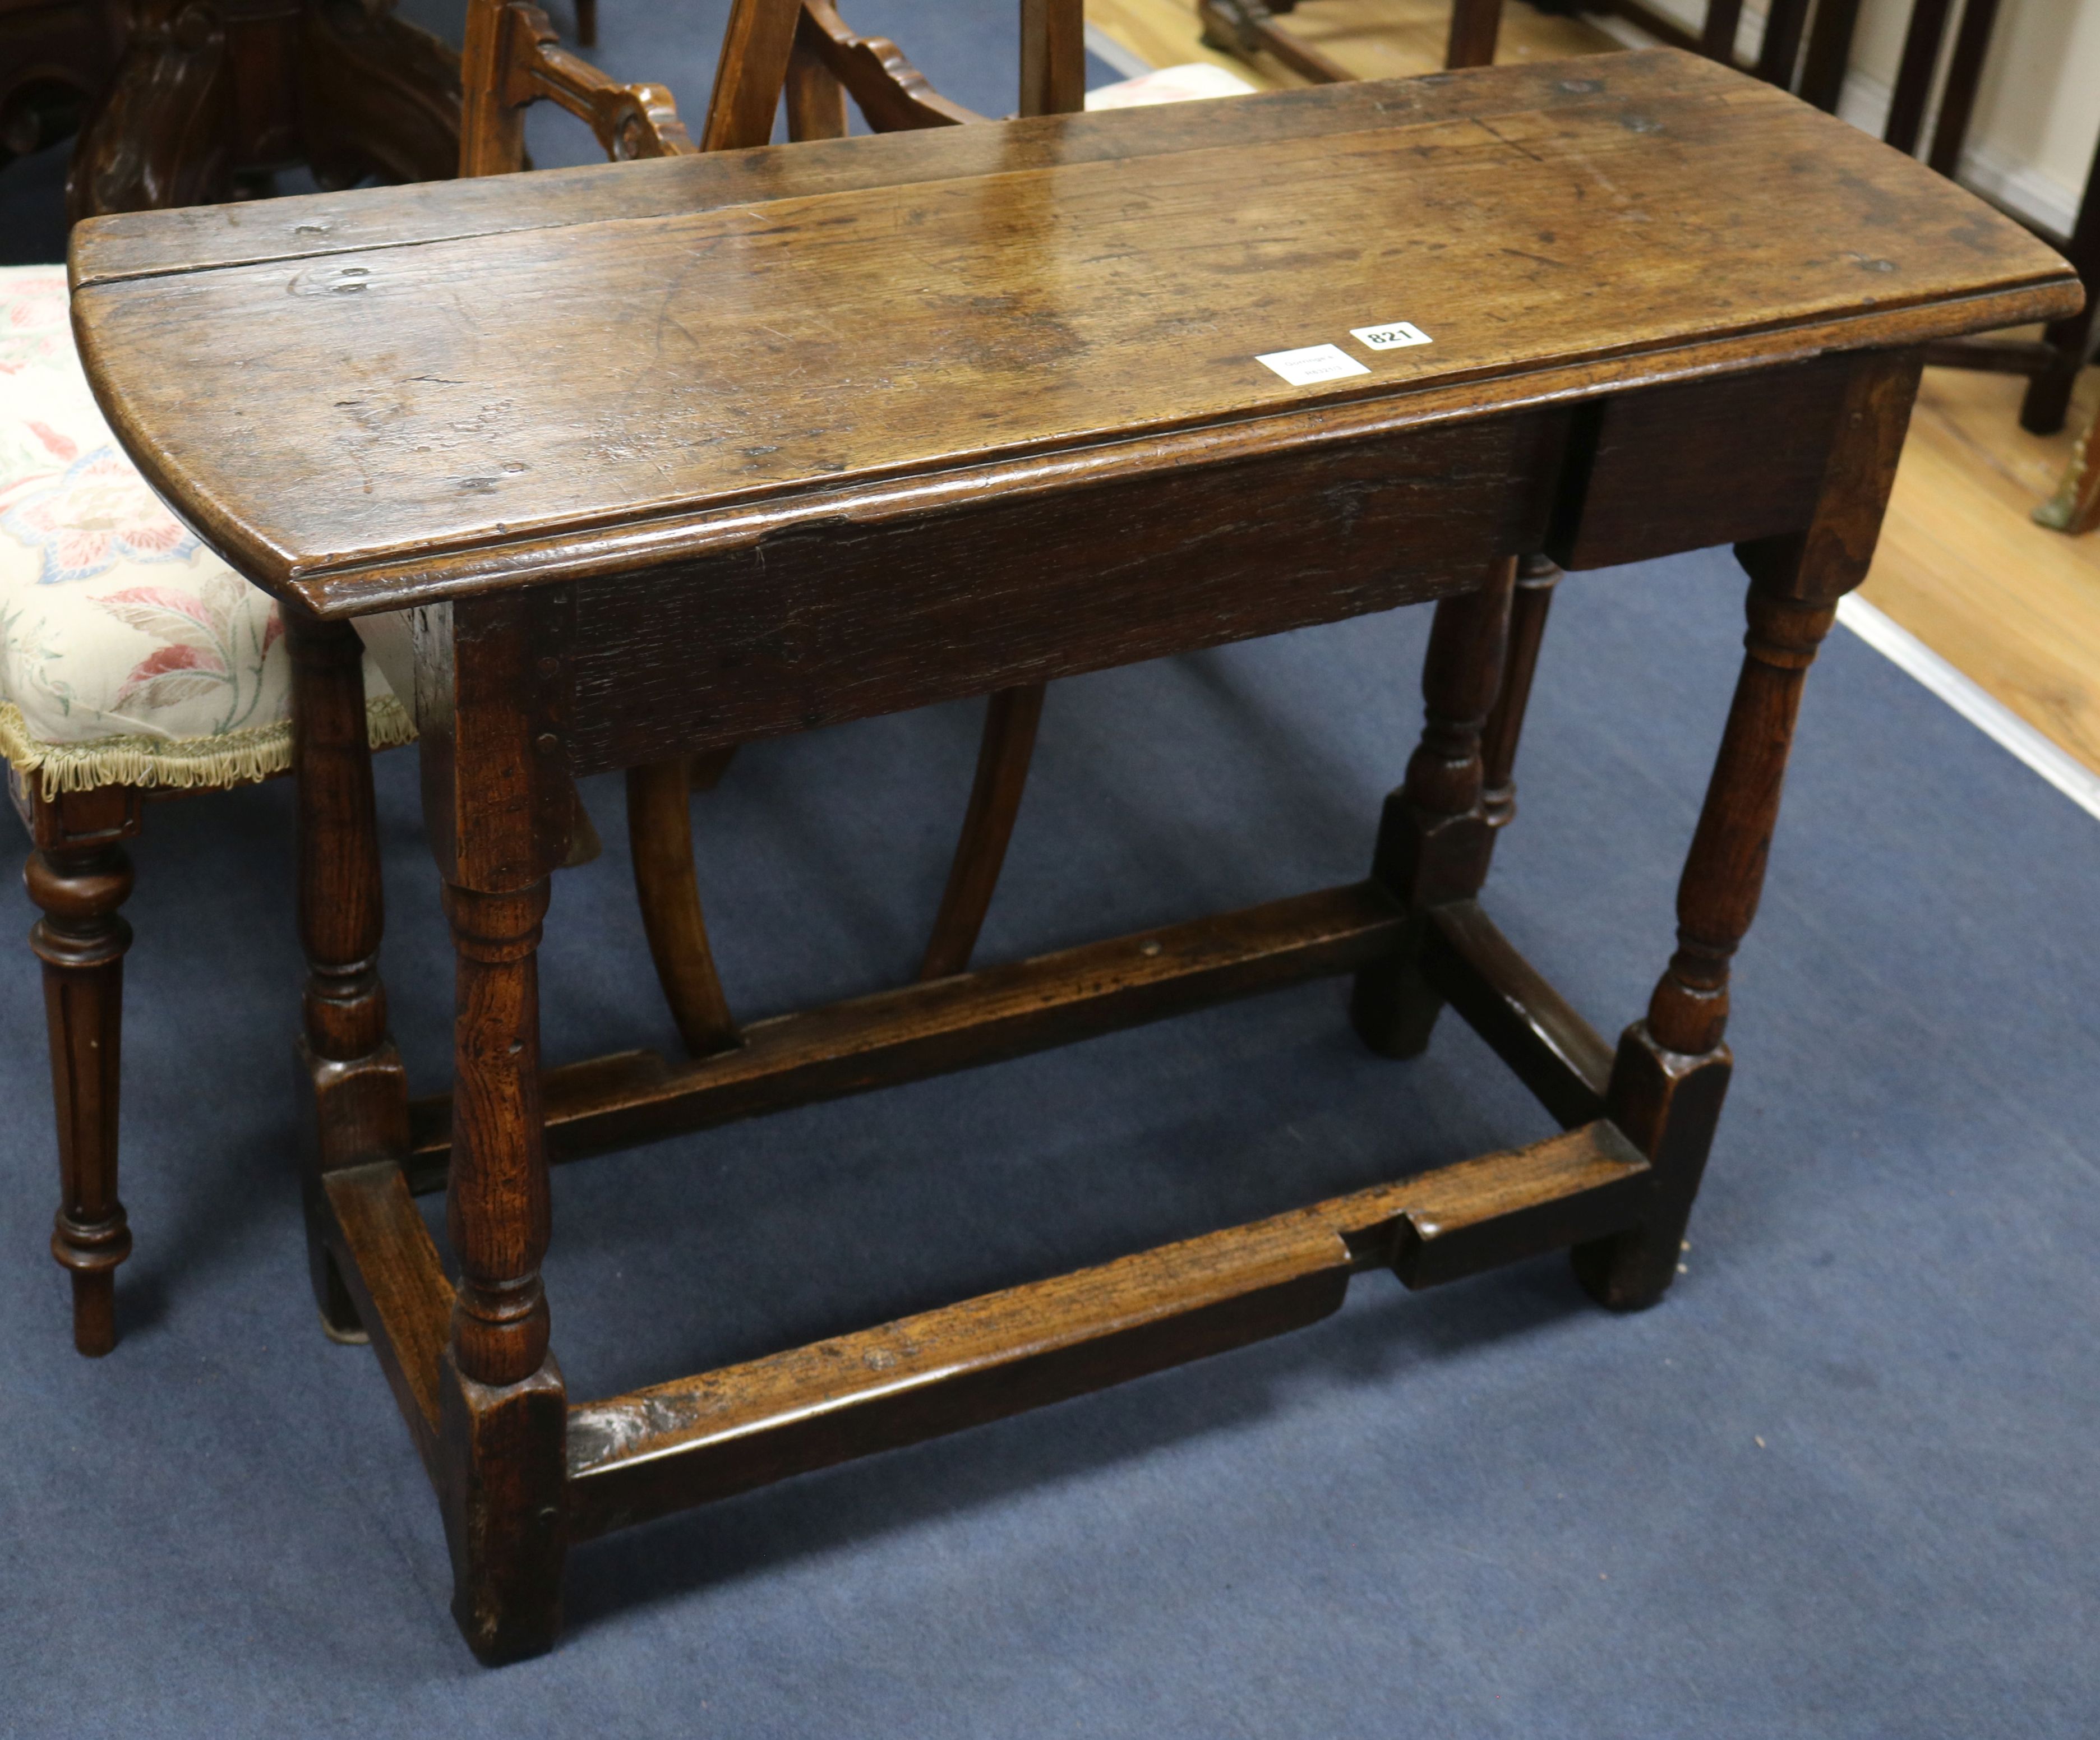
[{"x": 1961, "y": 565}]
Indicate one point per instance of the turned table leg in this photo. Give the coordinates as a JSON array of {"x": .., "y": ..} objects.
[
  {"x": 1436, "y": 837},
  {"x": 503, "y": 1407},
  {"x": 81, "y": 939},
  {"x": 360, "y": 1089},
  {"x": 500, "y": 807},
  {"x": 1672, "y": 1070}
]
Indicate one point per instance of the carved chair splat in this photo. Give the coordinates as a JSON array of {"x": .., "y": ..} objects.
[
  {"x": 805, "y": 49},
  {"x": 514, "y": 58},
  {"x": 1749, "y": 387}
]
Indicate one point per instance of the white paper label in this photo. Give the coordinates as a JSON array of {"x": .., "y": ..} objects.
[
  {"x": 1394, "y": 335},
  {"x": 1315, "y": 362}
]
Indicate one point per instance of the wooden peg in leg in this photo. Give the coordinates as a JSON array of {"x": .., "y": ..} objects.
[
  {"x": 79, "y": 875},
  {"x": 1434, "y": 838},
  {"x": 1673, "y": 1067}
]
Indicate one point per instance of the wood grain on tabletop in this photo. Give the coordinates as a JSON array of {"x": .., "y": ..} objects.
[{"x": 737, "y": 356}]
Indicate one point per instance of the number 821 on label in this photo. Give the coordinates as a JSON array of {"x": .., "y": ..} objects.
[{"x": 1393, "y": 336}]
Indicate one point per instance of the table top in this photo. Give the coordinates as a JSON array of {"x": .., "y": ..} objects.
[{"x": 393, "y": 395}]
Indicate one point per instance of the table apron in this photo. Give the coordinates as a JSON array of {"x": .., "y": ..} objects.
[{"x": 840, "y": 621}]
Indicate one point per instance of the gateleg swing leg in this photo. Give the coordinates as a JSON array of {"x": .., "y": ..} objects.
[
  {"x": 346, "y": 1054},
  {"x": 1537, "y": 577},
  {"x": 1435, "y": 837}
]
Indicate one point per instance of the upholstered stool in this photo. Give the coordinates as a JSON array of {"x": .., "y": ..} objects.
[{"x": 133, "y": 664}]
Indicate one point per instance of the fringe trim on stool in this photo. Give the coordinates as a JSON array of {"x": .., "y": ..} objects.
[{"x": 234, "y": 758}]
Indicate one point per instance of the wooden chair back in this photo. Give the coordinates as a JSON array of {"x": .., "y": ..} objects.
[
  {"x": 803, "y": 49},
  {"x": 513, "y": 59}
]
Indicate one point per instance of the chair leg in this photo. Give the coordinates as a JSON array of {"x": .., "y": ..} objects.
[
  {"x": 1474, "y": 26},
  {"x": 660, "y": 834},
  {"x": 1436, "y": 837},
  {"x": 79, "y": 875},
  {"x": 360, "y": 1089},
  {"x": 2075, "y": 508},
  {"x": 1011, "y": 718},
  {"x": 587, "y": 24},
  {"x": 2048, "y": 399}
]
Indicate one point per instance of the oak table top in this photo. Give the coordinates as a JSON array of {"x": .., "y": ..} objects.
[{"x": 370, "y": 399}]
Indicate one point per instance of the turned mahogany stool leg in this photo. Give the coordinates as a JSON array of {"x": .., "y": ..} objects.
[
  {"x": 1672, "y": 1070},
  {"x": 1435, "y": 837},
  {"x": 360, "y": 1086},
  {"x": 80, "y": 883}
]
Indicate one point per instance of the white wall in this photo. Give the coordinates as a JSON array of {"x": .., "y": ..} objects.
[{"x": 2037, "y": 113}]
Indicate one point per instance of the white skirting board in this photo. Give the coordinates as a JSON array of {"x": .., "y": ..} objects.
[{"x": 1967, "y": 697}]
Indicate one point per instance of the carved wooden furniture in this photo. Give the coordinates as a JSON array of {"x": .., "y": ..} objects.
[
  {"x": 208, "y": 98},
  {"x": 2051, "y": 362},
  {"x": 819, "y": 61},
  {"x": 619, "y": 568},
  {"x": 514, "y": 58},
  {"x": 135, "y": 666},
  {"x": 56, "y": 57},
  {"x": 1806, "y": 46}
]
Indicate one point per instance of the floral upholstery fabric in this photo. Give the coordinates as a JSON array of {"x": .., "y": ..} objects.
[{"x": 129, "y": 652}]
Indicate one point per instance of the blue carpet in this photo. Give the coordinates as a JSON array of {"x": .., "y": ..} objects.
[{"x": 1840, "y": 1483}]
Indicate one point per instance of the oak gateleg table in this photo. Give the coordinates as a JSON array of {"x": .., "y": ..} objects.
[{"x": 652, "y": 459}]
